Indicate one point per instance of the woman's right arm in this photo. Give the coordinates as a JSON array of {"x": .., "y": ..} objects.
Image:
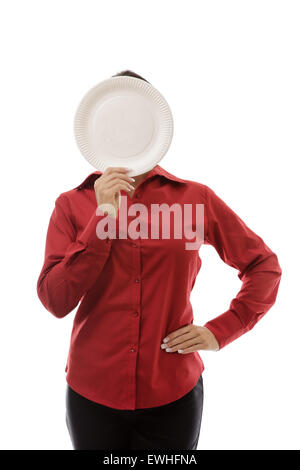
[{"x": 71, "y": 263}]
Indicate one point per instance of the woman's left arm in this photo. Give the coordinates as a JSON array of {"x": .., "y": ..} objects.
[
  {"x": 259, "y": 270},
  {"x": 258, "y": 266}
]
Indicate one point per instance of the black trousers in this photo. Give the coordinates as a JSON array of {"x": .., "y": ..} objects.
[{"x": 176, "y": 425}]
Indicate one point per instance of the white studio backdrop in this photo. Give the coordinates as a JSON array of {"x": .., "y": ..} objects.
[{"x": 230, "y": 73}]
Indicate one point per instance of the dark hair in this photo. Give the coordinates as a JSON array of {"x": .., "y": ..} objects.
[{"x": 129, "y": 73}]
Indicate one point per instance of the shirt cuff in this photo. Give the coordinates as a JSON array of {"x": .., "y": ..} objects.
[
  {"x": 226, "y": 328},
  {"x": 89, "y": 235}
]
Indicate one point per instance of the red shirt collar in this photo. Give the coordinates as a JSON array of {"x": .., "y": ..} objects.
[{"x": 157, "y": 170}]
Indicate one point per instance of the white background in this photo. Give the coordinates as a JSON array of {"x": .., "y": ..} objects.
[{"x": 230, "y": 73}]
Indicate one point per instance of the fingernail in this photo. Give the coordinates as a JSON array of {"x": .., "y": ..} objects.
[
  {"x": 132, "y": 187},
  {"x": 163, "y": 346},
  {"x": 168, "y": 349},
  {"x": 131, "y": 179},
  {"x": 180, "y": 350},
  {"x": 165, "y": 340}
]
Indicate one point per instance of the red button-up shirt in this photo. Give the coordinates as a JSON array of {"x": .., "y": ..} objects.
[{"x": 132, "y": 293}]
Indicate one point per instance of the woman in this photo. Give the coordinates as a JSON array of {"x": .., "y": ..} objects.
[{"x": 134, "y": 375}]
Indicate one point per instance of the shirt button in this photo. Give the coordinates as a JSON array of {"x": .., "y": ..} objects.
[
  {"x": 137, "y": 280},
  {"x": 135, "y": 314},
  {"x": 132, "y": 350}
]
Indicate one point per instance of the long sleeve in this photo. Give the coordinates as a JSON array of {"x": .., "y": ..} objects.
[
  {"x": 71, "y": 263},
  {"x": 258, "y": 267}
]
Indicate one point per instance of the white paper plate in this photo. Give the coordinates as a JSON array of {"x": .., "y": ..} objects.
[{"x": 123, "y": 121}]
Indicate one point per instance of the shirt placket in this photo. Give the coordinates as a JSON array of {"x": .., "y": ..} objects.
[{"x": 136, "y": 311}]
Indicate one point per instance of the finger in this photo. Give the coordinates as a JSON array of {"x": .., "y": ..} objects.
[
  {"x": 180, "y": 339},
  {"x": 124, "y": 185},
  {"x": 196, "y": 347},
  {"x": 117, "y": 187},
  {"x": 180, "y": 331},
  {"x": 184, "y": 345},
  {"x": 97, "y": 181},
  {"x": 117, "y": 175},
  {"x": 113, "y": 177},
  {"x": 107, "y": 187}
]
